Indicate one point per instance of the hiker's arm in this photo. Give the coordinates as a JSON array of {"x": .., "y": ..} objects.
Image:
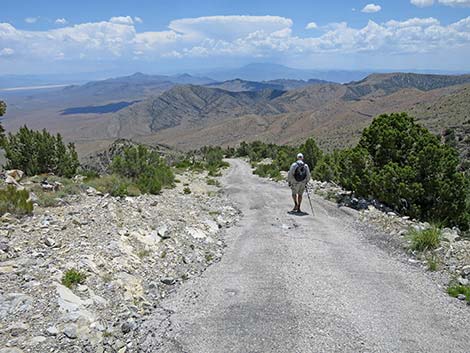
[
  {"x": 290, "y": 175},
  {"x": 308, "y": 174}
]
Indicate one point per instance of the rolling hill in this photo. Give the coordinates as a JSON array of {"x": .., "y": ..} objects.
[
  {"x": 196, "y": 117},
  {"x": 155, "y": 110}
]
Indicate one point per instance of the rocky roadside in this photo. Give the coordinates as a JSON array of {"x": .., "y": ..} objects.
[
  {"x": 133, "y": 251},
  {"x": 390, "y": 231}
]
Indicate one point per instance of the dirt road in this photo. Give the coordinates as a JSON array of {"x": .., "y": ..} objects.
[{"x": 305, "y": 284}]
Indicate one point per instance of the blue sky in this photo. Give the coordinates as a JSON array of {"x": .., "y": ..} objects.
[{"x": 169, "y": 36}]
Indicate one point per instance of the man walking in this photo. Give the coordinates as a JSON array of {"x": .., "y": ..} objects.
[{"x": 298, "y": 177}]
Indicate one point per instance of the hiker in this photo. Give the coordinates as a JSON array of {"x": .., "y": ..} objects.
[{"x": 298, "y": 177}]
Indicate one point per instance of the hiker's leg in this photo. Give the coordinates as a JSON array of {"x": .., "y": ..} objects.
[
  {"x": 294, "y": 197},
  {"x": 299, "y": 201}
]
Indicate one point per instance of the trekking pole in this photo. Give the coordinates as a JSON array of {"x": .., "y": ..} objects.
[{"x": 309, "y": 199}]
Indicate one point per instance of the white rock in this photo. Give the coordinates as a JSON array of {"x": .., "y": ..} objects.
[
  {"x": 196, "y": 233},
  {"x": 212, "y": 226},
  {"x": 52, "y": 331},
  {"x": 68, "y": 301}
]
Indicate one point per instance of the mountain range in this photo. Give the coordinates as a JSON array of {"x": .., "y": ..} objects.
[{"x": 187, "y": 111}]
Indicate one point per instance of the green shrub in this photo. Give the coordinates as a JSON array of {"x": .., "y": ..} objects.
[
  {"x": 268, "y": 171},
  {"x": 186, "y": 190},
  {"x": 47, "y": 199},
  {"x": 37, "y": 152},
  {"x": 183, "y": 164},
  {"x": 455, "y": 289},
  {"x": 73, "y": 277},
  {"x": 15, "y": 201},
  {"x": 89, "y": 174},
  {"x": 3, "y": 108},
  {"x": 145, "y": 168},
  {"x": 433, "y": 263},
  {"x": 212, "y": 182},
  {"x": 426, "y": 239},
  {"x": 114, "y": 185},
  {"x": 312, "y": 153},
  {"x": 406, "y": 167},
  {"x": 413, "y": 172}
]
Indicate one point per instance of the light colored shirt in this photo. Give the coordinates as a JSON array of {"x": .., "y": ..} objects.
[{"x": 290, "y": 175}]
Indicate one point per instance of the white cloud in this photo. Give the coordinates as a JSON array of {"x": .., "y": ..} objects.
[
  {"x": 230, "y": 36},
  {"x": 453, "y": 3},
  {"x": 371, "y": 8},
  {"x": 228, "y": 27},
  {"x": 422, "y": 3},
  {"x": 311, "y": 25},
  {"x": 61, "y": 21},
  {"x": 463, "y": 3},
  {"x": 122, "y": 20},
  {"x": 138, "y": 19},
  {"x": 6, "y": 52},
  {"x": 414, "y": 22},
  {"x": 31, "y": 19}
]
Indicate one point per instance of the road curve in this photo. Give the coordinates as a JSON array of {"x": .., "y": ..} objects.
[{"x": 305, "y": 284}]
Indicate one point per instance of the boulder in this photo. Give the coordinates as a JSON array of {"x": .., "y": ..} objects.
[{"x": 16, "y": 174}]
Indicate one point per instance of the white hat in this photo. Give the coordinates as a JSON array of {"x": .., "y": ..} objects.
[{"x": 300, "y": 155}]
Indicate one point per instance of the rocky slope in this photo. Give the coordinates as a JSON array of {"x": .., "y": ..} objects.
[{"x": 133, "y": 251}]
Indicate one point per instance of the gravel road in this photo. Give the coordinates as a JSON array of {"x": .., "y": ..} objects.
[{"x": 304, "y": 284}]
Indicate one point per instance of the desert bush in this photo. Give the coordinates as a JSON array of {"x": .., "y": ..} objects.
[
  {"x": 113, "y": 184},
  {"x": 73, "y": 277},
  {"x": 426, "y": 239},
  {"x": 312, "y": 153},
  {"x": 3, "y": 108},
  {"x": 47, "y": 199},
  {"x": 15, "y": 201},
  {"x": 145, "y": 168},
  {"x": 282, "y": 156},
  {"x": 37, "y": 152},
  {"x": 455, "y": 289},
  {"x": 433, "y": 263},
  {"x": 268, "y": 171},
  {"x": 213, "y": 182},
  {"x": 406, "y": 167},
  {"x": 413, "y": 172}
]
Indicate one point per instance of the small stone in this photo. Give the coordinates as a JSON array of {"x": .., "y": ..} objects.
[
  {"x": 71, "y": 331},
  {"x": 18, "y": 329},
  {"x": 466, "y": 270},
  {"x": 91, "y": 191},
  {"x": 127, "y": 327},
  {"x": 10, "y": 350},
  {"x": 461, "y": 297},
  {"x": 52, "y": 331},
  {"x": 50, "y": 242},
  {"x": 4, "y": 246},
  {"x": 82, "y": 288},
  {"x": 119, "y": 344},
  {"x": 463, "y": 281},
  {"x": 163, "y": 232},
  {"x": 168, "y": 281},
  {"x": 38, "y": 339},
  {"x": 123, "y": 232}
]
